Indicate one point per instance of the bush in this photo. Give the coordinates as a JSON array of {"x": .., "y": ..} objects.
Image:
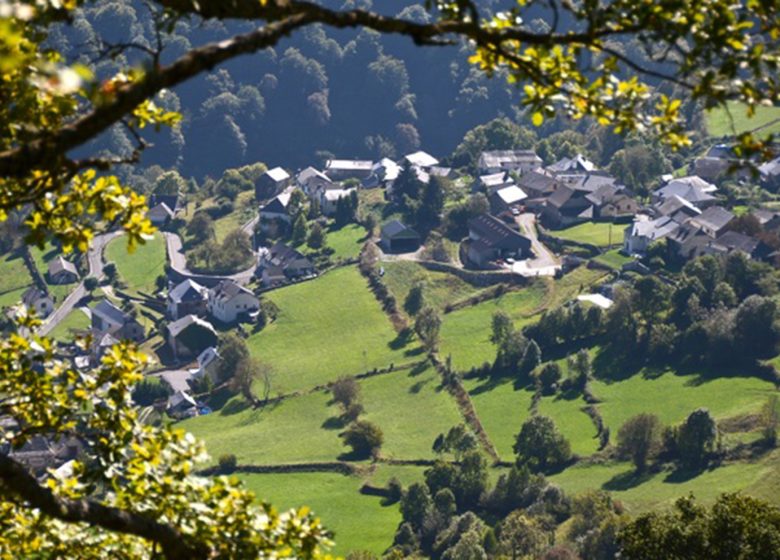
[
  {"x": 90, "y": 283},
  {"x": 148, "y": 391},
  {"x": 364, "y": 438},
  {"x": 394, "y": 491},
  {"x": 540, "y": 446},
  {"x": 227, "y": 463}
]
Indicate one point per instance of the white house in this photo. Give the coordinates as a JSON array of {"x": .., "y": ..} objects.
[
  {"x": 276, "y": 209},
  {"x": 329, "y": 199},
  {"x": 228, "y": 301},
  {"x": 312, "y": 181},
  {"x": 208, "y": 362},
  {"x": 639, "y": 235},
  {"x": 497, "y": 161},
  {"x": 421, "y": 159}
]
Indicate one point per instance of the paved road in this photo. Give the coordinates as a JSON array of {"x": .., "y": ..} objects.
[
  {"x": 96, "y": 264},
  {"x": 545, "y": 263}
]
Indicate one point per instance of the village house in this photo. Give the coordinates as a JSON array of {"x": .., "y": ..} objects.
[
  {"x": 675, "y": 207},
  {"x": 573, "y": 165},
  {"x": 271, "y": 183},
  {"x": 229, "y": 302},
  {"x": 277, "y": 209},
  {"x": 343, "y": 169},
  {"x": 713, "y": 221},
  {"x": 490, "y": 239},
  {"x": 312, "y": 182},
  {"x": 170, "y": 200},
  {"x": 734, "y": 241},
  {"x": 181, "y": 405},
  {"x": 507, "y": 199},
  {"x": 208, "y": 365},
  {"x": 281, "y": 263},
  {"x": 39, "y": 301},
  {"x": 491, "y": 183},
  {"x": 160, "y": 214},
  {"x": 719, "y": 161},
  {"x": 693, "y": 189},
  {"x": 421, "y": 160},
  {"x": 190, "y": 335},
  {"x": 62, "y": 271},
  {"x": 100, "y": 345},
  {"x": 383, "y": 173},
  {"x": 520, "y": 161},
  {"x": 567, "y": 206},
  {"x": 538, "y": 184},
  {"x": 399, "y": 238},
  {"x": 329, "y": 199},
  {"x": 187, "y": 298},
  {"x": 108, "y": 318},
  {"x": 644, "y": 231},
  {"x": 769, "y": 173},
  {"x": 612, "y": 202}
]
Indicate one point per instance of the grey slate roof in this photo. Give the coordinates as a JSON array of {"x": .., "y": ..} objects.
[
  {"x": 110, "y": 311},
  {"x": 188, "y": 290},
  {"x": 60, "y": 264},
  {"x": 396, "y": 230}
]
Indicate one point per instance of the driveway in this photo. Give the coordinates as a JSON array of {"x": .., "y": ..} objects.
[
  {"x": 96, "y": 264},
  {"x": 545, "y": 263},
  {"x": 178, "y": 262}
]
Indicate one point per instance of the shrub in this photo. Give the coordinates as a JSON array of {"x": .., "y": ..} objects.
[
  {"x": 227, "y": 463},
  {"x": 364, "y": 438}
]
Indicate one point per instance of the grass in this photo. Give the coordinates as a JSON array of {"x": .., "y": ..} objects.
[
  {"x": 412, "y": 408},
  {"x": 244, "y": 211},
  {"x": 405, "y": 474},
  {"x": 719, "y": 124},
  {"x": 502, "y": 410},
  {"x": 465, "y": 333},
  {"x": 672, "y": 397},
  {"x": 593, "y": 233},
  {"x": 613, "y": 259},
  {"x": 74, "y": 322},
  {"x": 297, "y": 430},
  {"x": 572, "y": 422},
  {"x": 328, "y": 327},
  {"x": 358, "y": 522},
  {"x": 346, "y": 241},
  {"x": 14, "y": 279},
  {"x": 662, "y": 489},
  {"x": 138, "y": 269},
  {"x": 42, "y": 258},
  {"x": 440, "y": 288}
]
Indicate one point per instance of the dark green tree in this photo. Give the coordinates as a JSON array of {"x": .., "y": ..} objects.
[{"x": 540, "y": 445}]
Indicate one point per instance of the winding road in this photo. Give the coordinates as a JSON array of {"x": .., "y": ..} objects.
[{"x": 96, "y": 264}]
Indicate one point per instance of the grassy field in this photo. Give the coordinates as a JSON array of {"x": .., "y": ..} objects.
[
  {"x": 412, "y": 408},
  {"x": 573, "y": 423},
  {"x": 613, "y": 259},
  {"x": 662, "y": 489},
  {"x": 440, "y": 288},
  {"x": 672, "y": 397},
  {"x": 14, "y": 279},
  {"x": 719, "y": 124},
  {"x": 594, "y": 233},
  {"x": 73, "y": 322},
  {"x": 346, "y": 241},
  {"x": 465, "y": 333},
  {"x": 358, "y": 522},
  {"x": 327, "y": 328},
  {"x": 244, "y": 211},
  {"x": 42, "y": 258},
  {"x": 140, "y": 268},
  {"x": 299, "y": 429},
  {"x": 502, "y": 409}
]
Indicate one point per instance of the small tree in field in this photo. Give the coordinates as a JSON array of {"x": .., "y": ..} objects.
[
  {"x": 540, "y": 445},
  {"x": 364, "y": 438},
  {"x": 638, "y": 439},
  {"x": 427, "y": 327},
  {"x": 345, "y": 391},
  {"x": 414, "y": 299}
]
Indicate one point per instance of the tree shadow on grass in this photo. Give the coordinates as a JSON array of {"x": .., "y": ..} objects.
[
  {"x": 415, "y": 351},
  {"x": 234, "y": 406},
  {"x": 402, "y": 340},
  {"x": 612, "y": 365},
  {"x": 353, "y": 457},
  {"x": 417, "y": 387},
  {"x": 490, "y": 383},
  {"x": 680, "y": 475},
  {"x": 333, "y": 423},
  {"x": 627, "y": 480},
  {"x": 420, "y": 368}
]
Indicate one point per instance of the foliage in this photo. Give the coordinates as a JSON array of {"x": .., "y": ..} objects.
[
  {"x": 540, "y": 446},
  {"x": 427, "y": 326},
  {"x": 364, "y": 438},
  {"x": 735, "y": 526},
  {"x": 696, "y": 438},
  {"x": 638, "y": 438}
]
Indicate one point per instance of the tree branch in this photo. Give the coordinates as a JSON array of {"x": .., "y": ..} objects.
[
  {"x": 18, "y": 162},
  {"x": 18, "y": 481}
]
